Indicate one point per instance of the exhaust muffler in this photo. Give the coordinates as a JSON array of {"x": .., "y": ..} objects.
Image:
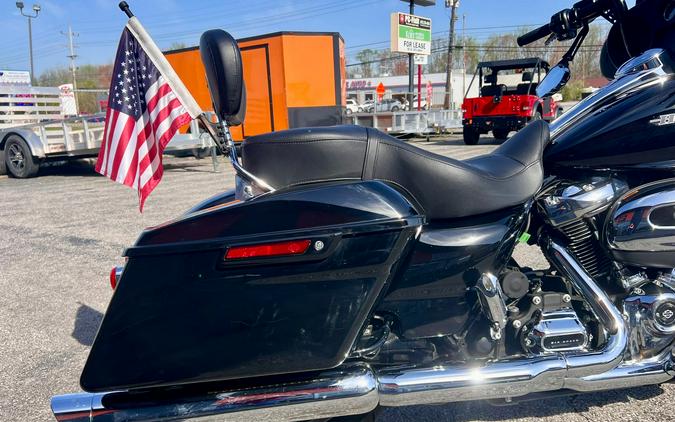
[{"x": 349, "y": 390}]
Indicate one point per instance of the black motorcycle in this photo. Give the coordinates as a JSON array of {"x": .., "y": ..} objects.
[{"x": 349, "y": 270}]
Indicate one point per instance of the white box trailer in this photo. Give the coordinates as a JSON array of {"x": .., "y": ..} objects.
[{"x": 33, "y": 130}]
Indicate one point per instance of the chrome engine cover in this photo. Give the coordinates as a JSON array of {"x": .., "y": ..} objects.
[
  {"x": 572, "y": 202},
  {"x": 557, "y": 331},
  {"x": 640, "y": 228},
  {"x": 650, "y": 313}
]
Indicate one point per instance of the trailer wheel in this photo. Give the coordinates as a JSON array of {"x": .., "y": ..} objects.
[
  {"x": 18, "y": 158},
  {"x": 500, "y": 134},
  {"x": 471, "y": 135}
]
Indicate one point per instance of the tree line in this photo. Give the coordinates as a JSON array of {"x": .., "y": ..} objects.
[{"x": 469, "y": 51}]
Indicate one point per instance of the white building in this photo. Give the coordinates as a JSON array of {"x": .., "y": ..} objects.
[{"x": 363, "y": 89}]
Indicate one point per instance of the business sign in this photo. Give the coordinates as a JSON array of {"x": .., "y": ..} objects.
[
  {"x": 410, "y": 33},
  {"x": 67, "y": 97},
  {"x": 421, "y": 59},
  {"x": 14, "y": 77}
]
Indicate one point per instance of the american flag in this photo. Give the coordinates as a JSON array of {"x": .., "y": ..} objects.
[{"x": 144, "y": 113}]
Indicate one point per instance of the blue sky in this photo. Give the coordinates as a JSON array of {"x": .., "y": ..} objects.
[{"x": 362, "y": 23}]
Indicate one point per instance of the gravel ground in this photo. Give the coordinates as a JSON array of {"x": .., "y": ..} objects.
[{"x": 62, "y": 232}]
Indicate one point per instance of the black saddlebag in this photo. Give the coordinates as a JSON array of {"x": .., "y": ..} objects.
[{"x": 183, "y": 312}]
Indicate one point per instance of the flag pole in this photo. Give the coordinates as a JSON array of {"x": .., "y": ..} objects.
[{"x": 201, "y": 118}]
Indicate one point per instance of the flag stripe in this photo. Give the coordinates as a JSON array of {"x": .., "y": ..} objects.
[{"x": 122, "y": 141}]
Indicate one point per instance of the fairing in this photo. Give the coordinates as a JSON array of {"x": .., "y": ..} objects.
[{"x": 626, "y": 125}]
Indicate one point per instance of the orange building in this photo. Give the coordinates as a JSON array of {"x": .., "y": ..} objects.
[{"x": 293, "y": 79}]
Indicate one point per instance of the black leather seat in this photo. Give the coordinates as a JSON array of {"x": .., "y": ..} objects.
[{"x": 444, "y": 187}]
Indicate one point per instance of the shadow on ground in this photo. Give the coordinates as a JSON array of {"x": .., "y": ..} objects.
[
  {"x": 538, "y": 408},
  {"x": 85, "y": 167},
  {"x": 87, "y": 321}
]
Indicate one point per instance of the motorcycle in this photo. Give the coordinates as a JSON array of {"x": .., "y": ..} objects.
[{"x": 349, "y": 270}]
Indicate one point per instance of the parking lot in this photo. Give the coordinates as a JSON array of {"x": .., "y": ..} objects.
[{"x": 62, "y": 232}]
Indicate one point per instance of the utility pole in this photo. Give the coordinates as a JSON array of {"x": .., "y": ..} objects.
[
  {"x": 463, "y": 56},
  {"x": 72, "y": 56},
  {"x": 36, "y": 9},
  {"x": 453, "y": 5}
]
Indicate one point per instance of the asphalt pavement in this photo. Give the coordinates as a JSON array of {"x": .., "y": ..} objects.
[{"x": 61, "y": 233}]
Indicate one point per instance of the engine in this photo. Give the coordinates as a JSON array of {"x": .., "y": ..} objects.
[{"x": 624, "y": 238}]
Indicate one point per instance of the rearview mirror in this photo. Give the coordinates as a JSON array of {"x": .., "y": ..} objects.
[{"x": 554, "y": 80}]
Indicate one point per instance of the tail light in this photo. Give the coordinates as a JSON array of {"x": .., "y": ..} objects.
[
  {"x": 292, "y": 247},
  {"x": 115, "y": 274}
]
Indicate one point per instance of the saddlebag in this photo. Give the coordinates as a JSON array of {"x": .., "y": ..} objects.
[{"x": 184, "y": 312}]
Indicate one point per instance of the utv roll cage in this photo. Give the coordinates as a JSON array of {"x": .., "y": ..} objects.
[{"x": 491, "y": 88}]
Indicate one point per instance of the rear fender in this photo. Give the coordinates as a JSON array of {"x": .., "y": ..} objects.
[
  {"x": 33, "y": 140},
  {"x": 183, "y": 313}
]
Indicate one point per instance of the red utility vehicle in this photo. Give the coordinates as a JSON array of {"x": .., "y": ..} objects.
[{"x": 507, "y": 100}]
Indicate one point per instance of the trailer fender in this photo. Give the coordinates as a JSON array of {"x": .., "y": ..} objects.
[{"x": 34, "y": 142}]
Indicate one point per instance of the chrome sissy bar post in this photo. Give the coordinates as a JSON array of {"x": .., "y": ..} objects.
[{"x": 247, "y": 184}]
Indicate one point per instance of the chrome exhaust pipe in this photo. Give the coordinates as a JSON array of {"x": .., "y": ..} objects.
[
  {"x": 628, "y": 375},
  {"x": 349, "y": 390},
  {"x": 518, "y": 377}
]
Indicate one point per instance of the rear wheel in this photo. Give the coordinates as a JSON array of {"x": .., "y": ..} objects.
[
  {"x": 500, "y": 134},
  {"x": 18, "y": 159},
  {"x": 394, "y": 108},
  {"x": 348, "y": 111},
  {"x": 471, "y": 135},
  {"x": 537, "y": 116}
]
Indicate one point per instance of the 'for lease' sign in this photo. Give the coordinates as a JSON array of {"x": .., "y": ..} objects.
[{"x": 410, "y": 33}]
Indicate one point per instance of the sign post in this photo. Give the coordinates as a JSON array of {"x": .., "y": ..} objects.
[{"x": 420, "y": 59}]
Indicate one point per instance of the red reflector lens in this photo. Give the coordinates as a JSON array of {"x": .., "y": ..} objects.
[
  {"x": 113, "y": 277},
  {"x": 293, "y": 247}
]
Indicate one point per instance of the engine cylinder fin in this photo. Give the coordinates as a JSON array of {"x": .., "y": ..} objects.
[{"x": 585, "y": 247}]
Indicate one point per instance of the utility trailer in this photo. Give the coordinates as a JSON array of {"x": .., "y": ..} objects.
[{"x": 33, "y": 131}]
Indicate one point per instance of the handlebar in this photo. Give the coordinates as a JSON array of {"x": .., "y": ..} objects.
[
  {"x": 532, "y": 36},
  {"x": 567, "y": 22}
]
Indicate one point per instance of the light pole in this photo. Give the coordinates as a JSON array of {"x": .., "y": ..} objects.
[{"x": 36, "y": 9}]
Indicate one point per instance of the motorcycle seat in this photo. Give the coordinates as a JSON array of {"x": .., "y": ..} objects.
[{"x": 444, "y": 187}]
